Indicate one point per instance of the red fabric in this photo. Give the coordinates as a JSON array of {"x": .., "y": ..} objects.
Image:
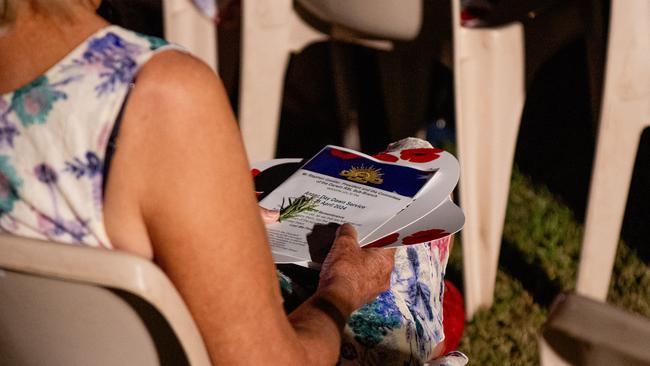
[{"x": 453, "y": 312}]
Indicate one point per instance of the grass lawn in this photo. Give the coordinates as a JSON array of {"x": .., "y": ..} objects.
[{"x": 539, "y": 258}]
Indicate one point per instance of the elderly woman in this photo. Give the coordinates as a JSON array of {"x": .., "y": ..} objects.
[{"x": 117, "y": 140}]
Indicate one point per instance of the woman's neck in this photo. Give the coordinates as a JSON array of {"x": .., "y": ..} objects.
[{"x": 34, "y": 42}]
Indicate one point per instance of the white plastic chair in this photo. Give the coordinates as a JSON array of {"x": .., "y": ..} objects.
[
  {"x": 583, "y": 331},
  {"x": 186, "y": 26},
  {"x": 67, "y": 305},
  {"x": 600, "y": 333},
  {"x": 489, "y": 84},
  {"x": 625, "y": 113},
  {"x": 272, "y": 30}
]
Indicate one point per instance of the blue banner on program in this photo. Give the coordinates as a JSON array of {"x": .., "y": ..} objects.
[{"x": 344, "y": 165}]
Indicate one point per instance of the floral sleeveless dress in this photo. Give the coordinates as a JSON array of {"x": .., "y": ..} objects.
[
  {"x": 56, "y": 141},
  {"x": 54, "y": 138}
]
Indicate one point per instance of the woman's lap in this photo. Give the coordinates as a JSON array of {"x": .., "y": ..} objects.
[{"x": 403, "y": 325}]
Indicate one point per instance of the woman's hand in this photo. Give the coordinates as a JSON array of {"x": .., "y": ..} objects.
[{"x": 350, "y": 276}]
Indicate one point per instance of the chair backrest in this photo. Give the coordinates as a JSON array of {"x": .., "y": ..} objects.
[
  {"x": 384, "y": 19},
  {"x": 67, "y": 305}
]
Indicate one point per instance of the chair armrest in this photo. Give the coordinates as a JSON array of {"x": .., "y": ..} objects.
[{"x": 589, "y": 332}]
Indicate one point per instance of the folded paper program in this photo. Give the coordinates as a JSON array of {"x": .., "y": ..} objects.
[{"x": 399, "y": 197}]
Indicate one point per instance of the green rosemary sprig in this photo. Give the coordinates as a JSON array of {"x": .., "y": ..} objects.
[{"x": 297, "y": 206}]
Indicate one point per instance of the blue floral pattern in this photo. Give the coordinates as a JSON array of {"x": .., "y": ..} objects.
[
  {"x": 372, "y": 322},
  {"x": 34, "y": 101},
  {"x": 9, "y": 185},
  {"x": 403, "y": 325},
  {"x": 115, "y": 57},
  {"x": 45, "y": 173},
  {"x": 419, "y": 293},
  {"x": 8, "y": 130},
  {"x": 89, "y": 166},
  {"x": 154, "y": 42},
  {"x": 57, "y": 228},
  {"x": 53, "y": 137}
]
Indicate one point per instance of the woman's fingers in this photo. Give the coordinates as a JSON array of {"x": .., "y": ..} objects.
[
  {"x": 346, "y": 230},
  {"x": 269, "y": 216},
  {"x": 354, "y": 276}
]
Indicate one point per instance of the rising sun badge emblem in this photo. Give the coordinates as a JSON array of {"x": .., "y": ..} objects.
[{"x": 363, "y": 174}]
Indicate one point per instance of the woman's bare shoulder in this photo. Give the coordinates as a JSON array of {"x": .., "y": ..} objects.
[
  {"x": 175, "y": 66},
  {"x": 178, "y": 78},
  {"x": 176, "y": 121}
]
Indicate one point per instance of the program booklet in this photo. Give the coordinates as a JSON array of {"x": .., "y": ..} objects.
[{"x": 392, "y": 199}]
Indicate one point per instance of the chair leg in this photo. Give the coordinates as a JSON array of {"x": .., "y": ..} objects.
[
  {"x": 271, "y": 30},
  {"x": 186, "y": 26},
  {"x": 347, "y": 100},
  {"x": 490, "y": 92},
  {"x": 612, "y": 172},
  {"x": 265, "y": 53},
  {"x": 547, "y": 356},
  {"x": 626, "y": 108}
]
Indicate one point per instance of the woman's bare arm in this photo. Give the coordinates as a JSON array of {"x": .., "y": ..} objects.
[{"x": 179, "y": 191}]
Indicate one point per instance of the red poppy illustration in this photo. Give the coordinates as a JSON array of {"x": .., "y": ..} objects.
[
  {"x": 420, "y": 155},
  {"x": 386, "y": 240},
  {"x": 424, "y": 236},
  {"x": 343, "y": 154},
  {"x": 255, "y": 172},
  {"x": 454, "y": 314},
  {"x": 386, "y": 157}
]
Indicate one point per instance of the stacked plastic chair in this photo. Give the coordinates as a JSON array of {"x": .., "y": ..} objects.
[
  {"x": 489, "y": 87},
  {"x": 582, "y": 329},
  {"x": 624, "y": 115},
  {"x": 273, "y": 29}
]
